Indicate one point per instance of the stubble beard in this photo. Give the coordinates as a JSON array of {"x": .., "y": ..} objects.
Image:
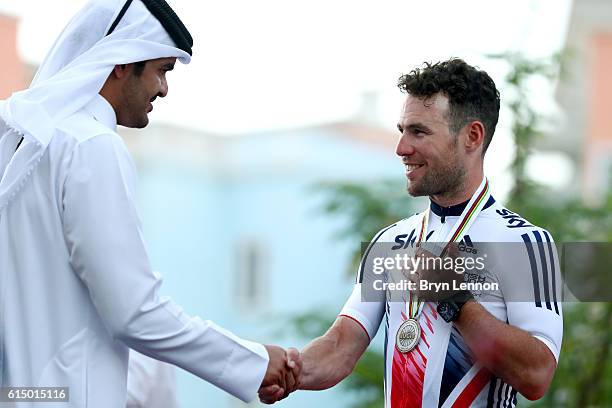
[
  {"x": 447, "y": 179},
  {"x": 137, "y": 116}
]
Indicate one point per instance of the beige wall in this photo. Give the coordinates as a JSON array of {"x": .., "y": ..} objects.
[
  {"x": 14, "y": 75},
  {"x": 600, "y": 120},
  {"x": 597, "y": 154}
]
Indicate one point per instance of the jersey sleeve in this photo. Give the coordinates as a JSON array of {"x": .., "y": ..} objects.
[
  {"x": 531, "y": 282},
  {"x": 368, "y": 314}
]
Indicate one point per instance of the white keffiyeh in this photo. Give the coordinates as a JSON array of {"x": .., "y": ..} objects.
[
  {"x": 80, "y": 61},
  {"x": 71, "y": 75}
]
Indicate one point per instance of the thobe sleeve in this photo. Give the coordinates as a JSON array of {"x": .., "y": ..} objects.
[{"x": 103, "y": 235}]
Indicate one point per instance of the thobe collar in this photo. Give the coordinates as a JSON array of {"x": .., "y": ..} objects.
[{"x": 102, "y": 111}]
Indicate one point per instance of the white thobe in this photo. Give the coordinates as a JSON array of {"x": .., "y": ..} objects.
[
  {"x": 76, "y": 285},
  {"x": 151, "y": 383}
]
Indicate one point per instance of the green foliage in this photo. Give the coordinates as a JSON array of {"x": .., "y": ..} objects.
[
  {"x": 309, "y": 325},
  {"x": 525, "y": 119},
  {"x": 583, "y": 377},
  {"x": 367, "y": 380},
  {"x": 368, "y": 208}
]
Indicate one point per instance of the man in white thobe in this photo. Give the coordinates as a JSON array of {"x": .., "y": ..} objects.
[{"x": 76, "y": 287}]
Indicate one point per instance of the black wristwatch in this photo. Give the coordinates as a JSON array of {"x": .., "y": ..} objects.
[{"x": 449, "y": 308}]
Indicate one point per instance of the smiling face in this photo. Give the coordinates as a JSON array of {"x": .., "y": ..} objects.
[
  {"x": 435, "y": 165},
  {"x": 137, "y": 88}
]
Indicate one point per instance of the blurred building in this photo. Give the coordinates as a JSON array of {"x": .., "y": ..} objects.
[
  {"x": 236, "y": 227},
  {"x": 586, "y": 97}
]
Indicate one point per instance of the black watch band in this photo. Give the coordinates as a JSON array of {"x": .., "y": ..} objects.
[{"x": 449, "y": 308}]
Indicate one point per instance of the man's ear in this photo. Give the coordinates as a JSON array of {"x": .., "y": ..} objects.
[
  {"x": 475, "y": 135},
  {"x": 120, "y": 71}
]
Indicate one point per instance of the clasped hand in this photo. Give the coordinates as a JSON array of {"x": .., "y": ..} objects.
[
  {"x": 282, "y": 376},
  {"x": 436, "y": 278}
]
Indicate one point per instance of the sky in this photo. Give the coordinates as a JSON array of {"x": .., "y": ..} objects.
[{"x": 274, "y": 64}]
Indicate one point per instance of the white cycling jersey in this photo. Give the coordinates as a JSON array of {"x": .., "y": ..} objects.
[{"x": 441, "y": 371}]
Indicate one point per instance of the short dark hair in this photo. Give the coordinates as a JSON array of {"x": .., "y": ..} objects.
[
  {"x": 471, "y": 93},
  {"x": 139, "y": 67}
]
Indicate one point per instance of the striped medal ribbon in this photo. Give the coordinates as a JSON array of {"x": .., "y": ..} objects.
[{"x": 409, "y": 332}]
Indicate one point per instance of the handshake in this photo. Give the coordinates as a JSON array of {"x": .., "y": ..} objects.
[{"x": 282, "y": 376}]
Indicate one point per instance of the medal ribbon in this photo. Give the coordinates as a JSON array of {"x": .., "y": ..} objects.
[{"x": 456, "y": 234}]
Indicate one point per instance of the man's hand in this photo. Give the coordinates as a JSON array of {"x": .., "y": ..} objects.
[
  {"x": 282, "y": 376},
  {"x": 437, "y": 274}
]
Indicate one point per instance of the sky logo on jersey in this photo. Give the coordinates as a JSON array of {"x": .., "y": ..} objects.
[
  {"x": 404, "y": 241},
  {"x": 513, "y": 220}
]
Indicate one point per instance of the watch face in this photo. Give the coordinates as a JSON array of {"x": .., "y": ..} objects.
[
  {"x": 444, "y": 308},
  {"x": 447, "y": 311}
]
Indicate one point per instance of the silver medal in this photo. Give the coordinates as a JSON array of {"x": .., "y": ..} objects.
[{"x": 408, "y": 335}]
